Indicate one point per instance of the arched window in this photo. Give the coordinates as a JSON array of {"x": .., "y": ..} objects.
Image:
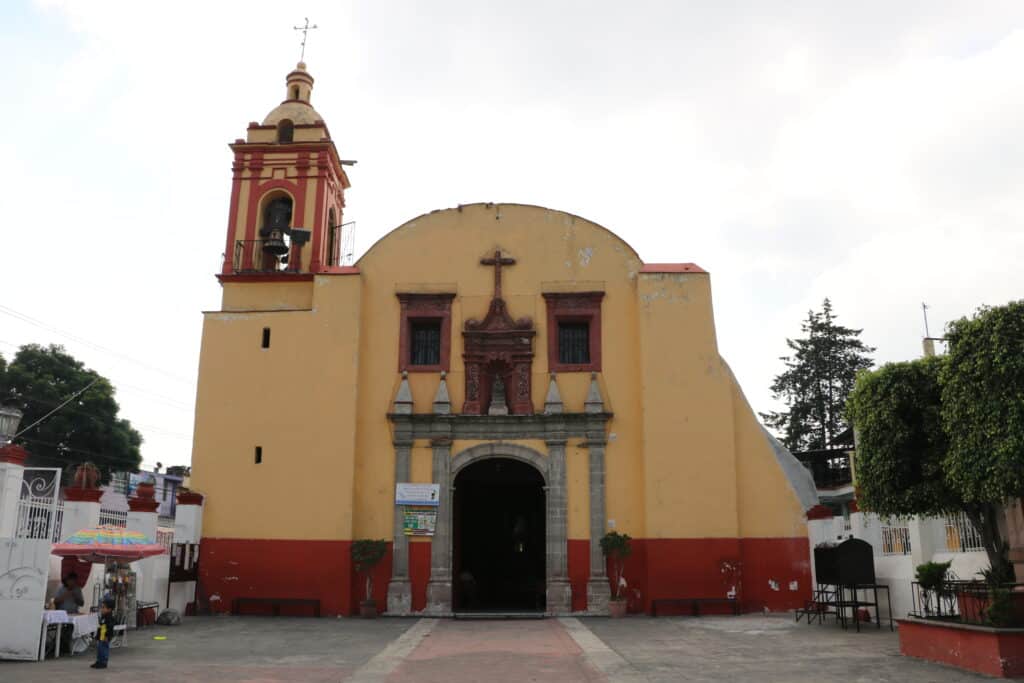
[
  {"x": 332, "y": 238},
  {"x": 274, "y": 243},
  {"x": 285, "y": 130},
  {"x": 295, "y": 93}
]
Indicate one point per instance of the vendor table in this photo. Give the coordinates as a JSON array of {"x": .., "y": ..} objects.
[{"x": 84, "y": 625}]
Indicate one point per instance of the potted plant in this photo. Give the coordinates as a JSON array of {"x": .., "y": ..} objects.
[
  {"x": 367, "y": 554},
  {"x": 931, "y": 578},
  {"x": 616, "y": 547}
]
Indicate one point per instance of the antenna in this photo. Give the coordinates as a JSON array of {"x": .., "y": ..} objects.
[{"x": 924, "y": 309}]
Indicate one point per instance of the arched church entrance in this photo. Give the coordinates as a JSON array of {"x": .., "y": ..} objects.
[{"x": 498, "y": 541}]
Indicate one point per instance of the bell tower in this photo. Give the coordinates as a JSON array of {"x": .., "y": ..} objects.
[{"x": 287, "y": 193}]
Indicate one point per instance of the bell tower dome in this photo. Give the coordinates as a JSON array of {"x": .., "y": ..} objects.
[{"x": 287, "y": 193}]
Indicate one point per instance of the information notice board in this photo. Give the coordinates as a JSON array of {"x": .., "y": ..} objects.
[{"x": 419, "y": 520}]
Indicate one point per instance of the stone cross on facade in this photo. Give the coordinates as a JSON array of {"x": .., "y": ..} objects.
[{"x": 497, "y": 261}]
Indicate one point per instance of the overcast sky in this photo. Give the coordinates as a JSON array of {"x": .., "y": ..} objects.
[{"x": 871, "y": 152}]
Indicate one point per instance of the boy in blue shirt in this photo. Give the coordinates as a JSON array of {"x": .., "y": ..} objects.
[{"x": 104, "y": 633}]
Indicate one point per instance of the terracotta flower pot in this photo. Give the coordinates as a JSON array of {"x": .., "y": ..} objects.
[
  {"x": 368, "y": 609},
  {"x": 616, "y": 609}
]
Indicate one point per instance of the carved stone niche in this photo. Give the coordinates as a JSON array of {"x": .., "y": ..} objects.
[{"x": 498, "y": 346}]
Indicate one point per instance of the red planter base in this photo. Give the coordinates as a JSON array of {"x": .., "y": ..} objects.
[
  {"x": 991, "y": 651},
  {"x": 368, "y": 609}
]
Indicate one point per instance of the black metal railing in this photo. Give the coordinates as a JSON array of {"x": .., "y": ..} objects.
[
  {"x": 970, "y": 602},
  {"x": 249, "y": 257},
  {"x": 830, "y": 471}
]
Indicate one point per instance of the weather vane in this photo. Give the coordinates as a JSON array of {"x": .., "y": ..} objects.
[{"x": 305, "y": 29}]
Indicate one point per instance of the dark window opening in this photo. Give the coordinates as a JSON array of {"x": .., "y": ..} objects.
[
  {"x": 295, "y": 93},
  {"x": 426, "y": 342},
  {"x": 259, "y": 454},
  {"x": 574, "y": 343},
  {"x": 266, "y": 338},
  {"x": 285, "y": 131}
]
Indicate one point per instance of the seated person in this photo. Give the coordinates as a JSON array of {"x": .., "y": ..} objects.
[{"x": 69, "y": 596}]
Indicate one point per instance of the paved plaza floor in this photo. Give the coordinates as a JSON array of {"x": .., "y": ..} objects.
[{"x": 762, "y": 649}]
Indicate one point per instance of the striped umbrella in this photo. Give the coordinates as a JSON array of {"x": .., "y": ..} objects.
[{"x": 108, "y": 542}]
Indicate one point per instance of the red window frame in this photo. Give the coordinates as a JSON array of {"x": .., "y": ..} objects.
[
  {"x": 574, "y": 307},
  {"x": 416, "y": 307}
]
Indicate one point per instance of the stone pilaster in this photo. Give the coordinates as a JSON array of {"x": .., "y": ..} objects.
[
  {"x": 399, "y": 588},
  {"x": 439, "y": 588},
  {"x": 559, "y": 592},
  {"x": 598, "y": 591}
]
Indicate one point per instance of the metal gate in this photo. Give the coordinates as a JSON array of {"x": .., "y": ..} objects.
[{"x": 25, "y": 564}]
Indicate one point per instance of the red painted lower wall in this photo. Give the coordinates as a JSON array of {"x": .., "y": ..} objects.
[
  {"x": 238, "y": 567},
  {"x": 419, "y": 573},
  {"x": 776, "y": 572},
  {"x": 578, "y": 555},
  {"x": 989, "y": 651}
]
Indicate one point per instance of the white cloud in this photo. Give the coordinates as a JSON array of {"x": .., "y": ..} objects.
[{"x": 870, "y": 152}]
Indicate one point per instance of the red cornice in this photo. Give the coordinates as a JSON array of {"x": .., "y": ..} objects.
[
  {"x": 143, "y": 505},
  {"x": 265, "y": 277},
  {"x": 339, "y": 270},
  {"x": 189, "y": 497},
  {"x": 80, "y": 495},
  {"x": 819, "y": 512},
  {"x": 671, "y": 268},
  {"x": 13, "y": 454}
]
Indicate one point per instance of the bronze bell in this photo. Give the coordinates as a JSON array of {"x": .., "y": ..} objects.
[
  {"x": 274, "y": 244},
  {"x": 276, "y": 218}
]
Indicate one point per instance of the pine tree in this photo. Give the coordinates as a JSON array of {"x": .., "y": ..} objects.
[{"x": 819, "y": 377}]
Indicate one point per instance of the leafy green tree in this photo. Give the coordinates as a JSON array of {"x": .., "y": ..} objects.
[
  {"x": 818, "y": 378},
  {"x": 983, "y": 413},
  {"x": 901, "y": 444},
  {"x": 947, "y": 434},
  {"x": 38, "y": 380}
]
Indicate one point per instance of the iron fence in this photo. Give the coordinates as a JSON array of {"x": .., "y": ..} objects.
[
  {"x": 249, "y": 257},
  {"x": 40, "y": 518},
  {"x": 165, "y": 537},
  {"x": 970, "y": 602},
  {"x": 117, "y": 518}
]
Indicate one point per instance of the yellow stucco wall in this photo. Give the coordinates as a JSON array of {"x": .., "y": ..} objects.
[{"x": 683, "y": 459}]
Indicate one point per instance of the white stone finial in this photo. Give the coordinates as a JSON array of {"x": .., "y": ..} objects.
[
  {"x": 594, "y": 403},
  {"x": 553, "y": 401},
  {"x": 442, "y": 402},
  {"x": 403, "y": 399}
]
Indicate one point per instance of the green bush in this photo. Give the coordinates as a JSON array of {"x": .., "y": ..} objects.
[{"x": 931, "y": 576}]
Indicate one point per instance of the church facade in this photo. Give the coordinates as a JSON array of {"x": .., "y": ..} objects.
[{"x": 553, "y": 384}]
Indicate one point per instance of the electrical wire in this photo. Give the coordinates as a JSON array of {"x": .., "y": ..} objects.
[{"x": 70, "y": 398}]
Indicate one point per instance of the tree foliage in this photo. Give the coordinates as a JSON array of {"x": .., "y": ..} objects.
[
  {"x": 88, "y": 429},
  {"x": 983, "y": 404},
  {"x": 945, "y": 434},
  {"x": 901, "y": 444},
  {"x": 818, "y": 378}
]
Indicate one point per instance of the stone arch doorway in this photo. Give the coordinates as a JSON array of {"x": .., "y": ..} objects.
[{"x": 499, "y": 536}]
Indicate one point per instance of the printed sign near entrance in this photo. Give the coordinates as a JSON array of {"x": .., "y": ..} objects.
[
  {"x": 420, "y": 520},
  {"x": 416, "y": 494}
]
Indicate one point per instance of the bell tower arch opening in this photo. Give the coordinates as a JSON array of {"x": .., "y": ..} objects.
[{"x": 499, "y": 540}]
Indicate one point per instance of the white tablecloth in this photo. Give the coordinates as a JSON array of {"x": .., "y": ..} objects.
[
  {"x": 85, "y": 624},
  {"x": 55, "y": 616}
]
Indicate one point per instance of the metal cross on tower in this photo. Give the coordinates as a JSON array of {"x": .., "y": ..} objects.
[
  {"x": 305, "y": 29},
  {"x": 497, "y": 261}
]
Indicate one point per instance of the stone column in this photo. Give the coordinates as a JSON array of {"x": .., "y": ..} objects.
[
  {"x": 12, "y": 472},
  {"x": 151, "y": 585},
  {"x": 598, "y": 591},
  {"x": 559, "y": 592},
  {"x": 188, "y": 528},
  {"x": 399, "y": 588},
  {"x": 439, "y": 588}
]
